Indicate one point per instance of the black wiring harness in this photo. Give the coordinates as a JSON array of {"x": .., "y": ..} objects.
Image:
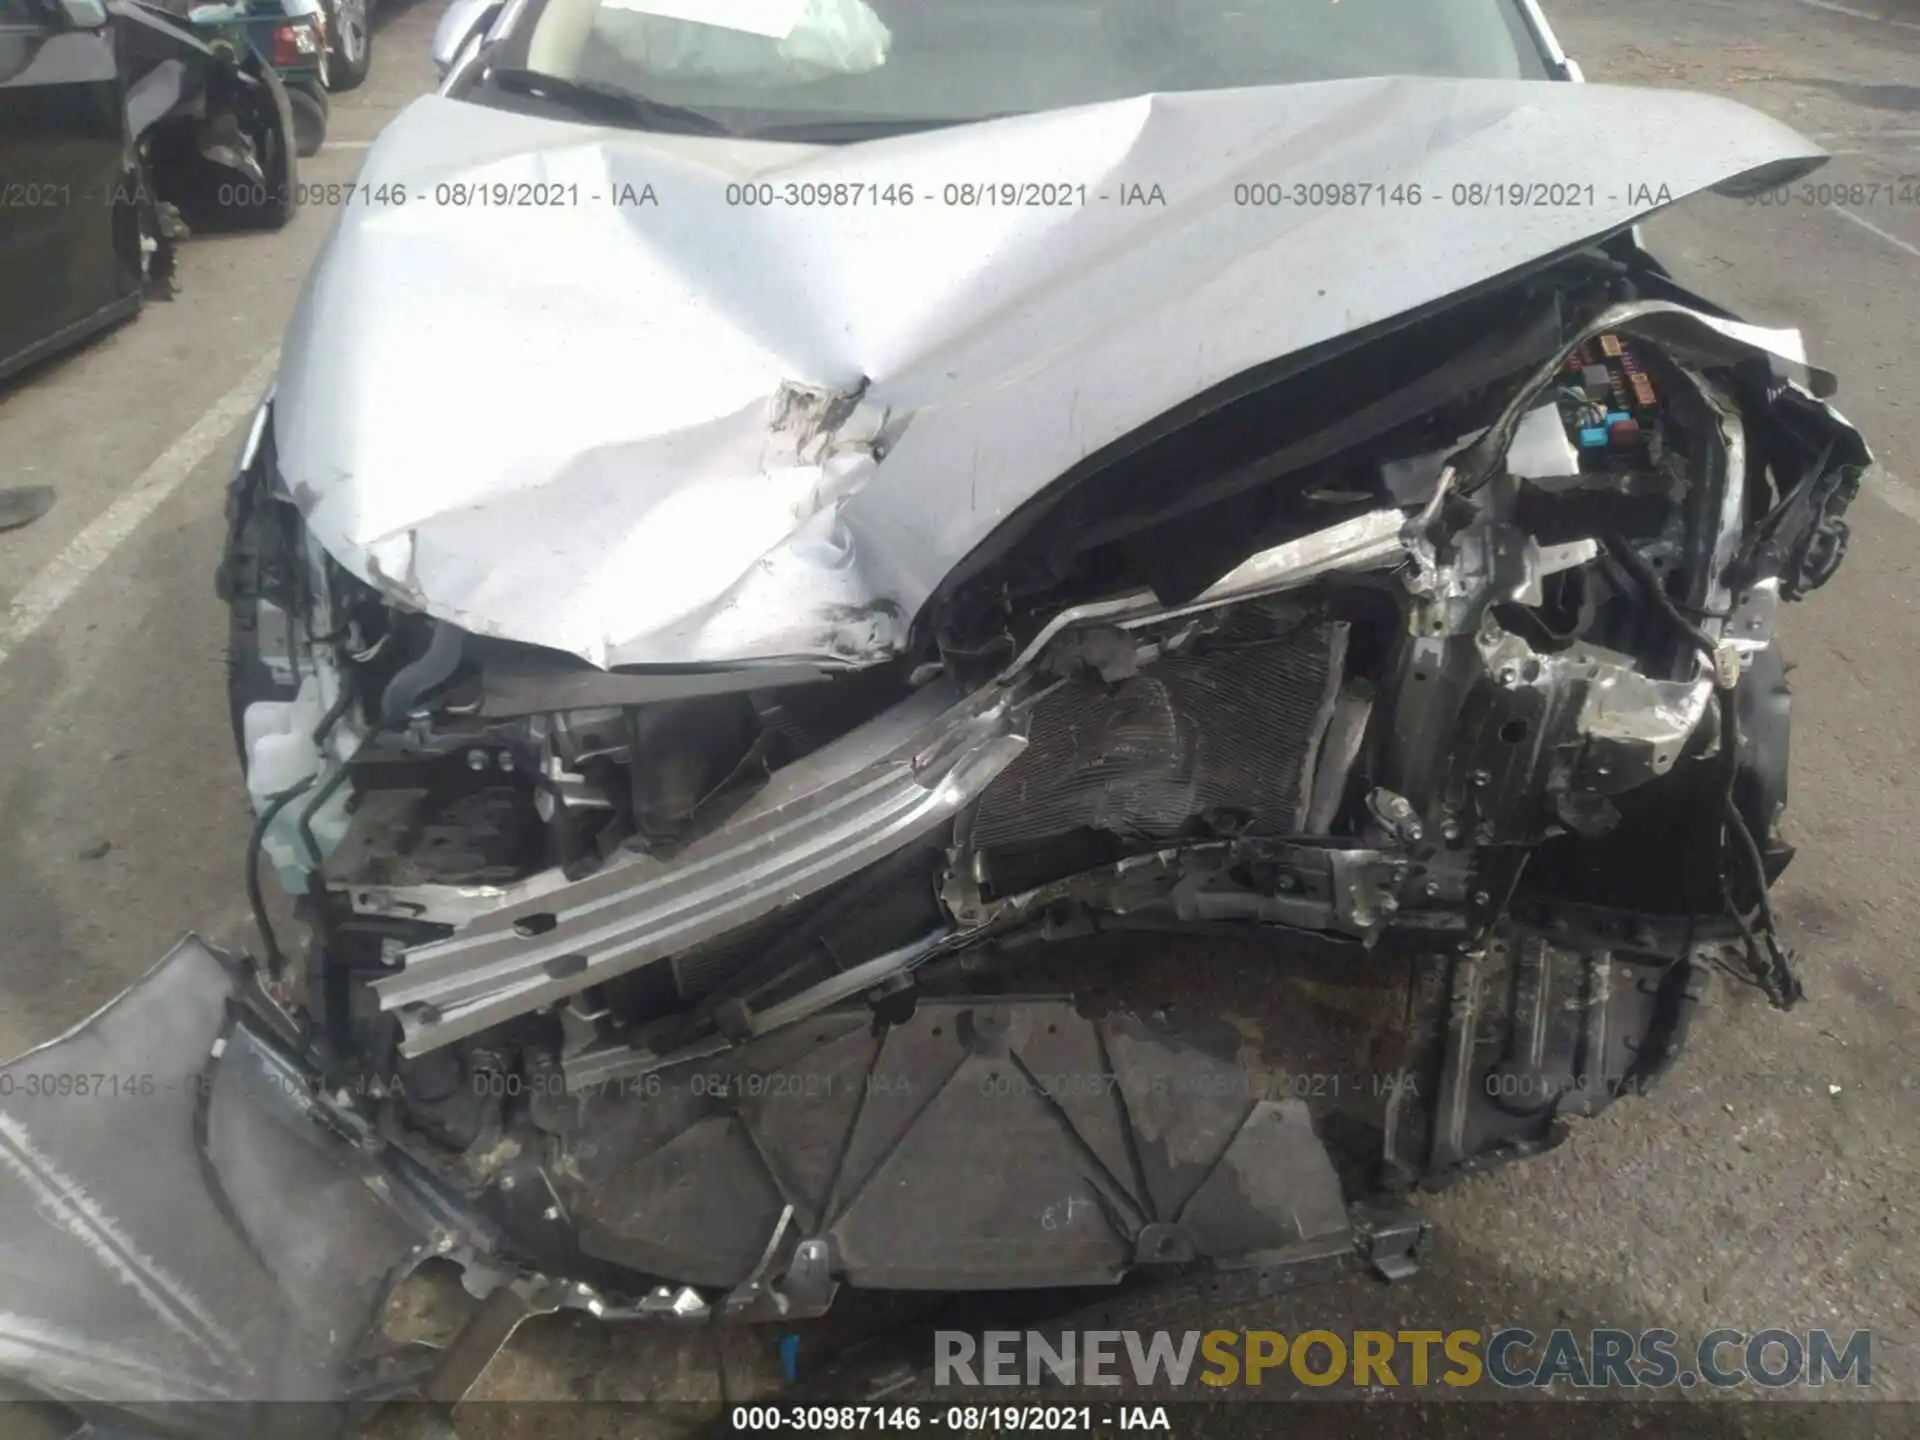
[
  {"x": 276, "y": 961},
  {"x": 1770, "y": 964}
]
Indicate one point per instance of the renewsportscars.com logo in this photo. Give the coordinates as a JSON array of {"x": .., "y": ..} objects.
[{"x": 1509, "y": 1358}]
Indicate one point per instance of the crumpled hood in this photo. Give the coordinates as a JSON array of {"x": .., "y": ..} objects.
[{"x": 650, "y": 426}]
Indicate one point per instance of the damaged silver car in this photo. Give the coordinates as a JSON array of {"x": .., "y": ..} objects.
[{"x": 962, "y": 648}]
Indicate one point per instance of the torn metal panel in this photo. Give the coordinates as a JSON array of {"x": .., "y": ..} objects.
[
  {"x": 200, "y": 1237},
  {"x": 697, "y": 518},
  {"x": 1361, "y": 543},
  {"x": 1637, "y": 725}
]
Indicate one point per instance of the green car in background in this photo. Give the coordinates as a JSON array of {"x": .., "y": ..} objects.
[{"x": 291, "y": 36}]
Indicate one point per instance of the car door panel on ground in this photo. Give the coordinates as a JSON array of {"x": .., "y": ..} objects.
[{"x": 62, "y": 147}]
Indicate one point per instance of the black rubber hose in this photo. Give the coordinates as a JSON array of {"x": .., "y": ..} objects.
[
  {"x": 322, "y": 733},
  {"x": 256, "y": 899},
  {"x": 333, "y": 712},
  {"x": 312, "y": 808},
  {"x": 432, "y": 669},
  {"x": 1770, "y": 962},
  {"x": 1630, "y": 561}
]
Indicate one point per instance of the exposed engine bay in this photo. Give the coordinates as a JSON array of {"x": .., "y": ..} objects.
[{"x": 1330, "y": 793}]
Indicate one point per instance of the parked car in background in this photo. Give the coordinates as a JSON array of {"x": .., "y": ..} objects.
[
  {"x": 350, "y": 42},
  {"x": 292, "y": 36},
  {"x": 120, "y": 130},
  {"x": 461, "y": 23}
]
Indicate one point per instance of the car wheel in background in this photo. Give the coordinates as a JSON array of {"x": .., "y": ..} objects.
[
  {"x": 349, "y": 42},
  {"x": 310, "y": 108}
]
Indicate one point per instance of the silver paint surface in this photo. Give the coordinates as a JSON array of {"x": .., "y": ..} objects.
[{"x": 696, "y": 432}]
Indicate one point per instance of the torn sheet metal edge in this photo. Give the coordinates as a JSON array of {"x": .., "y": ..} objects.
[
  {"x": 191, "y": 1319},
  {"x": 464, "y": 984},
  {"x": 185, "y": 1307},
  {"x": 1618, "y": 704},
  {"x": 1365, "y": 540}
]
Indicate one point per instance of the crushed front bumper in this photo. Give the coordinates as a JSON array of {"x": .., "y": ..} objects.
[
  {"x": 191, "y": 1236},
  {"x": 181, "y": 1241},
  {"x": 196, "y": 1233}
]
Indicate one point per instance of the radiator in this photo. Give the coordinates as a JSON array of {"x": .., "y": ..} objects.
[{"x": 1222, "y": 739}]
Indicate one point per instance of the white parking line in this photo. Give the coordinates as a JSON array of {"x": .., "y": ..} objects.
[
  {"x": 63, "y": 576},
  {"x": 1839, "y": 9},
  {"x": 1868, "y": 225},
  {"x": 1897, "y": 493}
]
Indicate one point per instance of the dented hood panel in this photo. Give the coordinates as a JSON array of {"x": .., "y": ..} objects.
[{"x": 648, "y": 426}]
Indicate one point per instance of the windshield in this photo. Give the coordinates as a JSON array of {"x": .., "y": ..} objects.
[{"x": 758, "y": 65}]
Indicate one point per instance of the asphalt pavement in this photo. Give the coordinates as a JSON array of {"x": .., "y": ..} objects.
[{"x": 1773, "y": 1181}]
